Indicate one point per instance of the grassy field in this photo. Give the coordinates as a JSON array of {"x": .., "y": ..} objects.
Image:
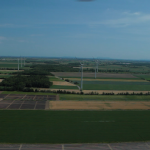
[
  {"x": 8, "y": 66},
  {"x": 4, "y": 76},
  {"x": 63, "y": 87},
  {"x": 144, "y": 76},
  {"x": 27, "y": 93},
  {"x": 115, "y": 85},
  {"x": 102, "y": 78},
  {"x": 53, "y": 78},
  {"x": 104, "y": 97},
  {"x": 73, "y": 126}
]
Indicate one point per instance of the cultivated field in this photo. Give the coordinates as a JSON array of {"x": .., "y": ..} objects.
[
  {"x": 63, "y": 83},
  {"x": 115, "y": 85},
  {"x": 103, "y": 75},
  {"x": 40, "y": 126},
  {"x": 99, "y": 105}
]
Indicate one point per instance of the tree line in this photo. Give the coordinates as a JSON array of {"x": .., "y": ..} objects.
[{"x": 21, "y": 82}]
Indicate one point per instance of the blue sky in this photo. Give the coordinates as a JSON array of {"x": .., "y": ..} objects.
[{"x": 118, "y": 29}]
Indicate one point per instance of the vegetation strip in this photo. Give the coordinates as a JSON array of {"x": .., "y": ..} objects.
[{"x": 20, "y": 126}]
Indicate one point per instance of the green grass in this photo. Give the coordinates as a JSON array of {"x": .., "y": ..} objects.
[
  {"x": 22, "y": 126},
  {"x": 54, "y": 79},
  {"x": 9, "y": 65},
  {"x": 115, "y": 85},
  {"x": 63, "y": 87},
  {"x": 5, "y": 76},
  {"x": 144, "y": 76},
  {"x": 104, "y": 97},
  {"x": 27, "y": 93},
  {"x": 103, "y": 78}
]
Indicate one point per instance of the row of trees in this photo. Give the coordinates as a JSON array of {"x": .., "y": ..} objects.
[
  {"x": 34, "y": 72},
  {"x": 109, "y": 70}
]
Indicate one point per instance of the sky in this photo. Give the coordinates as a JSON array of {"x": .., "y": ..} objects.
[{"x": 118, "y": 29}]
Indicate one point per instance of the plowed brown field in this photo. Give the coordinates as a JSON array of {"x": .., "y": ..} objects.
[
  {"x": 63, "y": 83},
  {"x": 1, "y": 80},
  {"x": 99, "y": 105}
]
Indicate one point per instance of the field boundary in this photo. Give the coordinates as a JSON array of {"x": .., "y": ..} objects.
[{"x": 47, "y": 105}]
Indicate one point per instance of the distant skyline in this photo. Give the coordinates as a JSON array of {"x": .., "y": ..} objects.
[{"x": 118, "y": 29}]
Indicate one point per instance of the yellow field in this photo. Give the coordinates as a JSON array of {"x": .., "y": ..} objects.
[{"x": 99, "y": 105}]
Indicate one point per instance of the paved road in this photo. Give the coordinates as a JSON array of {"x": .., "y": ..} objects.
[{"x": 112, "y": 146}]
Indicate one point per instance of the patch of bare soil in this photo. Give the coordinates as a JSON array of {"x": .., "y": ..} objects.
[
  {"x": 63, "y": 83},
  {"x": 1, "y": 80},
  {"x": 90, "y": 74},
  {"x": 99, "y": 105}
]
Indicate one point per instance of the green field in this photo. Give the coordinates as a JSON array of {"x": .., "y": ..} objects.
[
  {"x": 9, "y": 65},
  {"x": 103, "y": 78},
  {"x": 28, "y": 93},
  {"x": 53, "y": 78},
  {"x": 4, "y": 76},
  {"x": 104, "y": 97},
  {"x": 115, "y": 85},
  {"x": 144, "y": 76},
  {"x": 21, "y": 126},
  {"x": 63, "y": 87}
]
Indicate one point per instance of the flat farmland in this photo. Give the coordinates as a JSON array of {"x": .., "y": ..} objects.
[
  {"x": 115, "y": 85},
  {"x": 63, "y": 87},
  {"x": 99, "y": 105},
  {"x": 39, "y": 126},
  {"x": 123, "y": 80},
  {"x": 103, "y": 75},
  {"x": 9, "y": 65},
  {"x": 63, "y": 83},
  {"x": 64, "y": 97},
  {"x": 27, "y": 93},
  {"x": 144, "y": 76},
  {"x": 53, "y": 78}
]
